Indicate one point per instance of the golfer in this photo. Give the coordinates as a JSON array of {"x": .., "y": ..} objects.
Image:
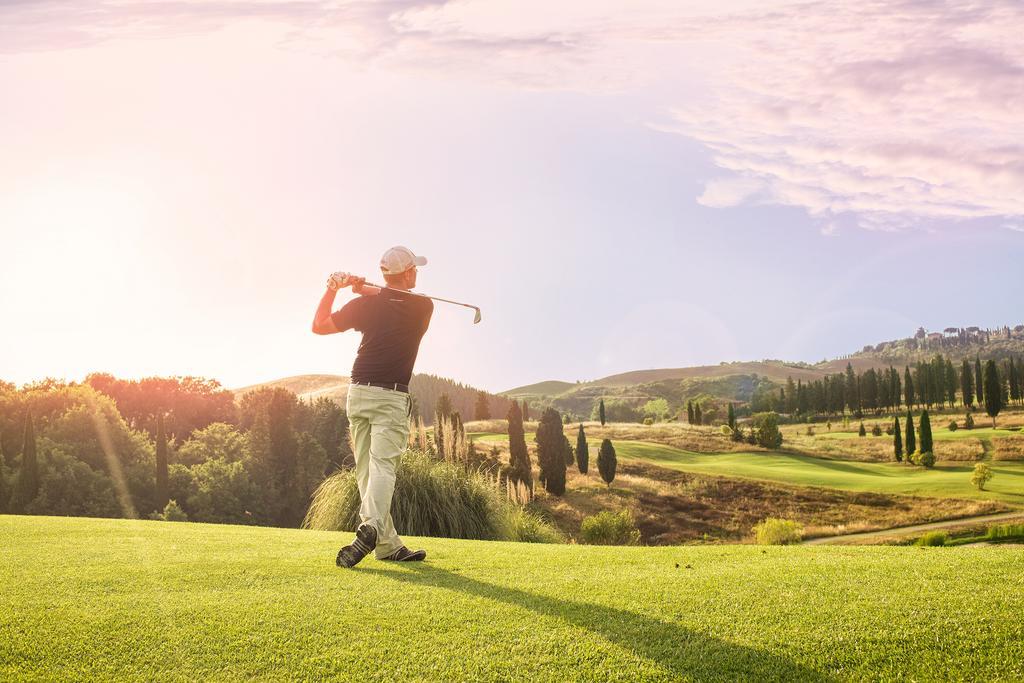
[{"x": 379, "y": 404}]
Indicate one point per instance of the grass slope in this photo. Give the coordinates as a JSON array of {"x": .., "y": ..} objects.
[
  {"x": 87, "y": 599},
  {"x": 945, "y": 480}
]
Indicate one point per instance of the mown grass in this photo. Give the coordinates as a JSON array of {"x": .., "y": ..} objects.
[
  {"x": 945, "y": 480},
  {"x": 115, "y": 599}
]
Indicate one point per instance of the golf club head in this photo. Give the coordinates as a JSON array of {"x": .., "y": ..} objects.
[{"x": 476, "y": 316}]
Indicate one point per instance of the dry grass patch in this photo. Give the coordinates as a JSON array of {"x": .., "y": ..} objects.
[{"x": 1008, "y": 448}]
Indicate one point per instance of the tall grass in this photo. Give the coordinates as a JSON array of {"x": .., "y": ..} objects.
[
  {"x": 432, "y": 498},
  {"x": 1005, "y": 532}
]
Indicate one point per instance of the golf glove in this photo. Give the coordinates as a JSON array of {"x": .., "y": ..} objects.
[{"x": 338, "y": 280}]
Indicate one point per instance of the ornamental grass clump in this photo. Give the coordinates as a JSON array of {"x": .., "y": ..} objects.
[
  {"x": 774, "y": 531},
  {"x": 610, "y": 528}
]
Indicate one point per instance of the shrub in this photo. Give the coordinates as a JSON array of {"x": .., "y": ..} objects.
[
  {"x": 773, "y": 531},
  {"x": 610, "y": 528},
  {"x": 876, "y": 430},
  {"x": 862, "y": 431},
  {"x": 952, "y": 426},
  {"x": 927, "y": 459},
  {"x": 981, "y": 475},
  {"x": 969, "y": 421},
  {"x": 648, "y": 421},
  {"x": 768, "y": 434},
  {"x": 432, "y": 498},
  {"x": 172, "y": 513},
  {"x": 933, "y": 538},
  {"x": 526, "y": 527},
  {"x": 810, "y": 430},
  {"x": 1003, "y": 532}
]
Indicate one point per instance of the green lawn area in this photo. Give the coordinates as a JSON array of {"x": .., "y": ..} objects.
[
  {"x": 938, "y": 433},
  {"x": 946, "y": 480},
  {"x": 140, "y": 600}
]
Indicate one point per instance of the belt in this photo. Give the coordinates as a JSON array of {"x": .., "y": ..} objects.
[{"x": 393, "y": 386}]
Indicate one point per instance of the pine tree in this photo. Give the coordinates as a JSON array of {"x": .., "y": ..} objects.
[
  {"x": 601, "y": 412},
  {"x": 911, "y": 439},
  {"x": 732, "y": 418},
  {"x": 550, "y": 454},
  {"x": 852, "y": 390},
  {"x": 26, "y": 485},
  {"x": 979, "y": 382},
  {"x": 993, "y": 391},
  {"x": 689, "y": 412},
  {"x": 482, "y": 409},
  {"x": 966, "y": 384},
  {"x": 161, "y": 464},
  {"x": 926, "y": 433},
  {"x": 606, "y": 462},
  {"x": 443, "y": 408},
  {"x": 520, "y": 468},
  {"x": 897, "y": 440},
  {"x": 698, "y": 418},
  {"x": 582, "y": 451}
]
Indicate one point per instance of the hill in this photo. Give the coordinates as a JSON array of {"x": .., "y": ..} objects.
[{"x": 154, "y": 600}]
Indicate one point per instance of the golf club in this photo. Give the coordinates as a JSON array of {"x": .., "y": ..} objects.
[{"x": 476, "y": 309}]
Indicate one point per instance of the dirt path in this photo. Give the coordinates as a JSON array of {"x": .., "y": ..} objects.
[{"x": 905, "y": 530}]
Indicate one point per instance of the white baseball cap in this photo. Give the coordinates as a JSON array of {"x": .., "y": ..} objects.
[{"x": 397, "y": 260}]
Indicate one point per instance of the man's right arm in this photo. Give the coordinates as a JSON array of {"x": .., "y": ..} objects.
[{"x": 322, "y": 323}]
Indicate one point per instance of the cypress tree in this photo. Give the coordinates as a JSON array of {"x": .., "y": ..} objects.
[
  {"x": 951, "y": 382},
  {"x": 911, "y": 438},
  {"x": 732, "y": 418},
  {"x": 897, "y": 440},
  {"x": 568, "y": 453},
  {"x": 606, "y": 462},
  {"x": 1014, "y": 382},
  {"x": 550, "y": 451},
  {"x": 993, "y": 391},
  {"x": 926, "y": 433},
  {"x": 979, "y": 382},
  {"x": 519, "y": 457},
  {"x": 966, "y": 383},
  {"x": 582, "y": 451},
  {"x": 526, "y": 411},
  {"x": 698, "y": 418},
  {"x": 908, "y": 389},
  {"x": 862, "y": 431},
  {"x": 601, "y": 412},
  {"x": 482, "y": 409},
  {"x": 161, "y": 464},
  {"x": 689, "y": 412},
  {"x": 26, "y": 485}
]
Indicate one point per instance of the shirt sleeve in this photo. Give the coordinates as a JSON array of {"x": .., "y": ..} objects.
[{"x": 351, "y": 316}]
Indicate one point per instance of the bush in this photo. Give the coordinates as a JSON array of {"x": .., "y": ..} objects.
[
  {"x": 432, "y": 498},
  {"x": 1005, "y": 532},
  {"x": 969, "y": 421},
  {"x": 952, "y": 426},
  {"x": 876, "y": 430},
  {"x": 648, "y": 421},
  {"x": 774, "y": 531},
  {"x": 768, "y": 434},
  {"x": 933, "y": 538},
  {"x": 981, "y": 475},
  {"x": 927, "y": 459},
  {"x": 862, "y": 431},
  {"x": 810, "y": 430},
  {"x": 526, "y": 527},
  {"x": 172, "y": 513},
  {"x": 610, "y": 528}
]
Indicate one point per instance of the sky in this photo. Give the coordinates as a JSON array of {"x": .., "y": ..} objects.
[{"x": 618, "y": 185}]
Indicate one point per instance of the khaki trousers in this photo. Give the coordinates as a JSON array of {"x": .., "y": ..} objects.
[{"x": 379, "y": 420}]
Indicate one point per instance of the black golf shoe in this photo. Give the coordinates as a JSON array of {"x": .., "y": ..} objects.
[
  {"x": 403, "y": 554},
  {"x": 362, "y": 545}
]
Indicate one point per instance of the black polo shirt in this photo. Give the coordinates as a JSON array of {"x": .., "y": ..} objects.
[{"x": 393, "y": 323}]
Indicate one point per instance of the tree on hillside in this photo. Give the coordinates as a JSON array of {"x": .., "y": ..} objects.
[
  {"x": 979, "y": 381},
  {"x": 161, "y": 464},
  {"x": 26, "y": 485},
  {"x": 732, "y": 417},
  {"x": 582, "y": 451},
  {"x": 1015, "y": 384},
  {"x": 689, "y": 412},
  {"x": 966, "y": 384},
  {"x": 908, "y": 389},
  {"x": 607, "y": 462},
  {"x": 926, "y": 433},
  {"x": 520, "y": 469},
  {"x": 911, "y": 438},
  {"x": 482, "y": 409},
  {"x": 951, "y": 382},
  {"x": 526, "y": 410},
  {"x": 897, "y": 439},
  {"x": 600, "y": 412},
  {"x": 329, "y": 426},
  {"x": 767, "y": 431},
  {"x": 698, "y": 418},
  {"x": 443, "y": 407},
  {"x": 656, "y": 409},
  {"x": 551, "y": 451},
  {"x": 993, "y": 391},
  {"x": 852, "y": 390}
]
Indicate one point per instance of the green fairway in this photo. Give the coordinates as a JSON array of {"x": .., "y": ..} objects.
[
  {"x": 112, "y": 599},
  {"x": 945, "y": 480},
  {"x": 938, "y": 433}
]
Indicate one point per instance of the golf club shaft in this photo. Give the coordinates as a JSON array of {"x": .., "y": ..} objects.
[{"x": 425, "y": 296}]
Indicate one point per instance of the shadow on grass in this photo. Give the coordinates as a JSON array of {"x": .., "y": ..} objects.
[{"x": 681, "y": 651}]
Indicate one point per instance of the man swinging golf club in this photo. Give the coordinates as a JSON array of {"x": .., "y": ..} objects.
[{"x": 393, "y": 320}]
